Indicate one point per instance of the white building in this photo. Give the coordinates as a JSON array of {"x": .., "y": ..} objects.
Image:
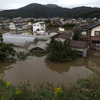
[
  {"x": 12, "y": 26},
  {"x": 61, "y": 29},
  {"x": 39, "y": 28}
]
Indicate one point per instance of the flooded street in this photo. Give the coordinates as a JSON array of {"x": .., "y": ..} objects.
[{"x": 37, "y": 70}]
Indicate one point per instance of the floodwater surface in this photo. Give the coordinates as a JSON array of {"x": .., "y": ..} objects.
[{"x": 36, "y": 70}]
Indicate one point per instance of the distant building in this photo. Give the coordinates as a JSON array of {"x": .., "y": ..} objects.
[
  {"x": 39, "y": 28},
  {"x": 1, "y": 19},
  {"x": 12, "y": 26},
  {"x": 59, "y": 23},
  {"x": 26, "y": 27}
]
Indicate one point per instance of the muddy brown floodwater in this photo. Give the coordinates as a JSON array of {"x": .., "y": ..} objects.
[{"x": 37, "y": 70}]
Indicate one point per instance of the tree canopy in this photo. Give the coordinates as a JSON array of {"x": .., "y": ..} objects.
[
  {"x": 60, "y": 51},
  {"x": 77, "y": 34},
  {"x": 6, "y": 50}
]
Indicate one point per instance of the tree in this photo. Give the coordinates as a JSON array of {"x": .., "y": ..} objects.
[
  {"x": 1, "y": 38},
  {"x": 77, "y": 34},
  {"x": 6, "y": 50},
  {"x": 60, "y": 51}
]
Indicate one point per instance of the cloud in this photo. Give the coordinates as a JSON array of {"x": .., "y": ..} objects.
[
  {"x": 11, "y": 4},
  {"x": 75, "y": 3}
]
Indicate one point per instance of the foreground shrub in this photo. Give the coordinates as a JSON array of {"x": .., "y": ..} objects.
[{"x": 85, "y": 89}]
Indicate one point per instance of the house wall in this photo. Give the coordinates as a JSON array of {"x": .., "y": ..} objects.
[
  {"x": 95, "y": 29},
  {"x": 12, "y": 26},
  {"x": 83, "y": 50},
  {"x": 78, "y": 49},
  {"x": 37, "y": 26},
  {"x": 93, "y": 37}
]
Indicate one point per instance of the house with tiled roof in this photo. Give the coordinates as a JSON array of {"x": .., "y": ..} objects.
[
  {"x": 79, "y": 46},
  {"x": 94, "y": 36}
]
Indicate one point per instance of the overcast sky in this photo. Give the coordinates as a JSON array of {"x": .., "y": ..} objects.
[{"x": 13, "y": 4}]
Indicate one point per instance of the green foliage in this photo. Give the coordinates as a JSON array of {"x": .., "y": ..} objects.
[
  {"x": 42, "y": 11},
  {"x": 22, "y": 55},
  {"x": 1, "y": 38},
  {"x": 60, "y": 51},
  {"x": 77, "y": 34},
  {"x": 6, "y": 50},
  {"x": 85, "y": 89},
  {"x": 69, "y": 25}
]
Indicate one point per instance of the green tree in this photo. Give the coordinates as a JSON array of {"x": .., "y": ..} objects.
[
  {"x": 77, "y": 34},
  {"x": 6, "y": 50},
  {"x": 1, "y": 38},
  {"x": 60, "y": 51}
]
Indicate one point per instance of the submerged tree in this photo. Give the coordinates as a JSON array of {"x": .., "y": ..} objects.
[
  {"x": 6, "y": 50},
  {"x": 60, "y": 51}
]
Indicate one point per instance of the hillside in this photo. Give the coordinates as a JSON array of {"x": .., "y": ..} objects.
[{"x": 50, "y": 10}]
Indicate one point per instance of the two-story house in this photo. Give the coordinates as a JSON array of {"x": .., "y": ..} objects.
[{"x": 94, "y": 36}]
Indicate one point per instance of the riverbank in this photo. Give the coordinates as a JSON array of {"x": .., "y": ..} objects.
[{"x": 85, "y": 89}]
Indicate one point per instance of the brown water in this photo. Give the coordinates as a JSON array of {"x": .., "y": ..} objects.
[{"x": 37, "y": 71}]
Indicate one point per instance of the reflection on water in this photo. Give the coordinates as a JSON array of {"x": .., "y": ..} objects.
[
  {"x": 37, "y": 70},
  {"x": 64, "y": 67},
  {"x": 4, "y": 66}
]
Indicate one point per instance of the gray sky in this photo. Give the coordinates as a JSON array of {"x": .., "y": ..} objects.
[{"x": 13, "y": 4}]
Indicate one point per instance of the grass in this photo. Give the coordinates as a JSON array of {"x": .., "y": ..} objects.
[{"x": 85, "y": 89}]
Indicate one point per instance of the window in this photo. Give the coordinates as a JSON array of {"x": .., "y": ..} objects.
[
  {"x": 97, "y": 33},
  {"x": 97, "y": 44}
]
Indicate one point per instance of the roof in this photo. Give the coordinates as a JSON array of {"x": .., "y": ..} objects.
[
  {"x": 42, "y": 46},
  {"x": 63, "y": 35},
  {"x": 78, "y": 44},
  {"x": 93, "y": 25}
]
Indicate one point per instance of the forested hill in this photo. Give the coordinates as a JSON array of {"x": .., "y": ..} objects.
[{"x": 50, "y": 10}]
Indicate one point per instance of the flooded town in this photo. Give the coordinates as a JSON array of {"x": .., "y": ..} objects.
[
  {"x": 56, "y": 57},
  {"x": 35, "y": 68}
]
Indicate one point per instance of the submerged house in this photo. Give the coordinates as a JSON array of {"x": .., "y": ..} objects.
[
  {"x": 94, "y": 36},
  {"x": 79, "y": 46},
  {"x": 63, "y": 36},
  {"x": 40, "y": 48}
]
